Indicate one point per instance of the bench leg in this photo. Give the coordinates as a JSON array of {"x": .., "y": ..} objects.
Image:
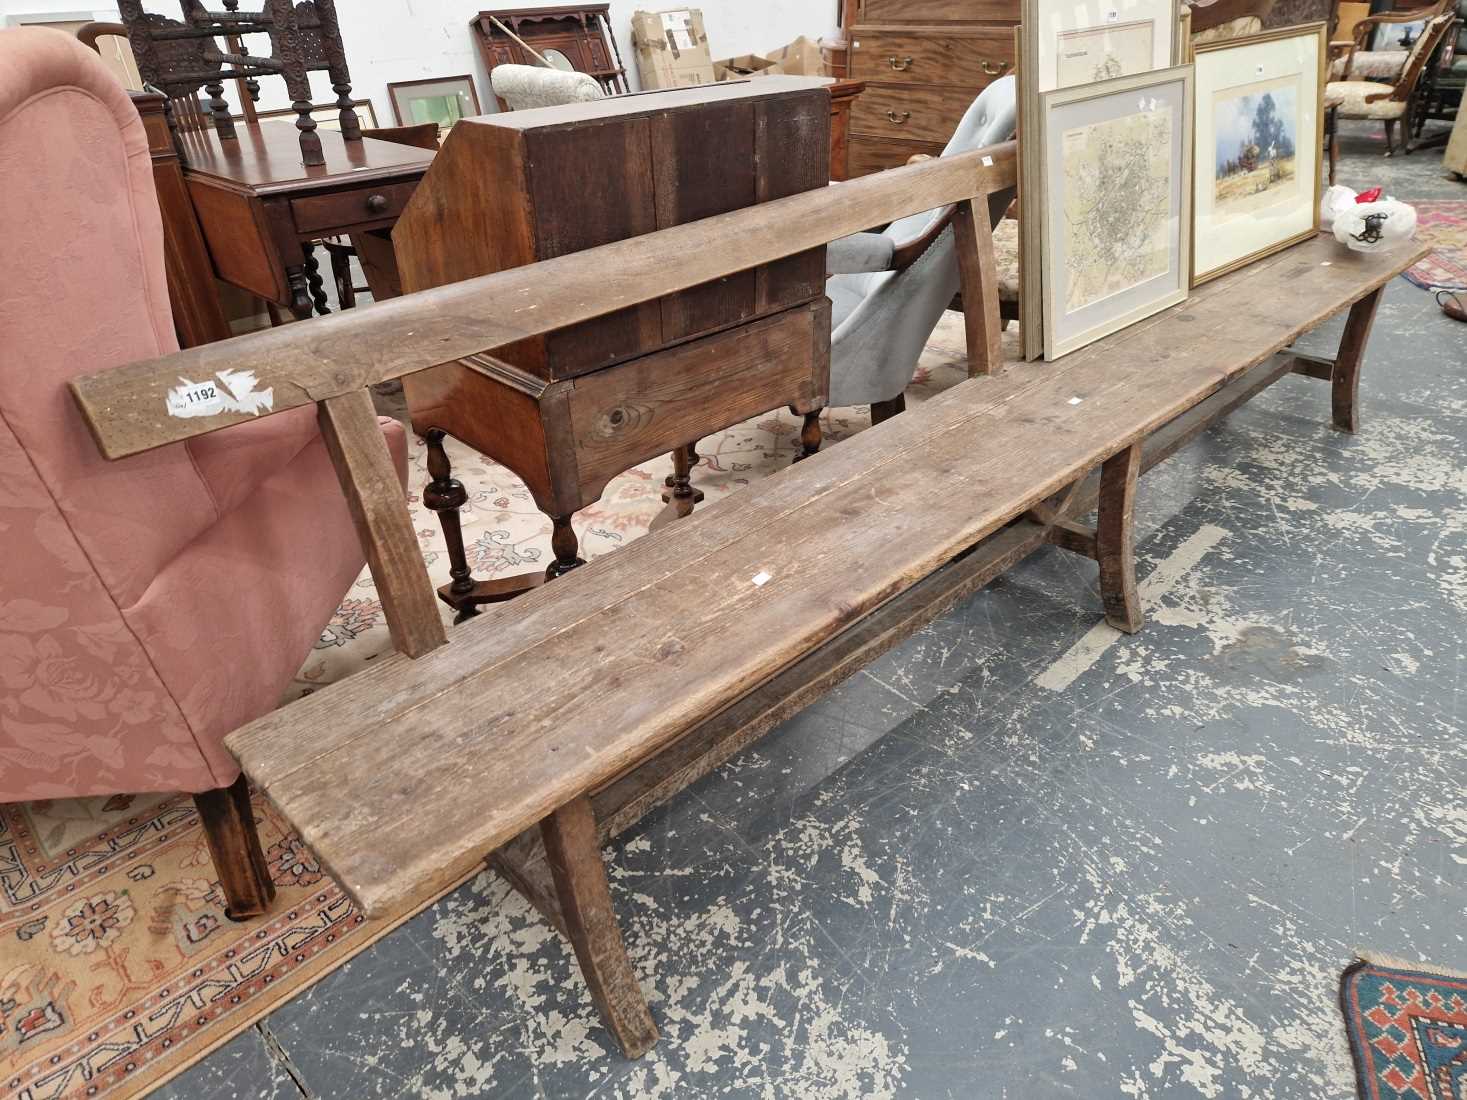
[
  {"x": 1115, "y": 539},
  {"x": 574, "y": 856},
  {"x": 234, "y": 845},
  {"x": 1345, "y": 383}
]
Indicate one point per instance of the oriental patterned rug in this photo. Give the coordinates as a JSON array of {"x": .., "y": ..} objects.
[
  {"x": 1407, "y": 1024},
  {"x": 118, "y": 969},
  {"x": 1443, "y": 225}
]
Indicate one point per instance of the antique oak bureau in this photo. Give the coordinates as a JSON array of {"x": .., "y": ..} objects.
[{"x": 570, "y": 410}]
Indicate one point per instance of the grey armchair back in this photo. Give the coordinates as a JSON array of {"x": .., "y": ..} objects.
[
  {"x": 523, "y": 87},
  {"x": 881, "y": 318}
]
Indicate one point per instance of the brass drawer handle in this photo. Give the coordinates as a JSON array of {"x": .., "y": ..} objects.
[
  {"x": 900, "y": 64},
  {"x": 376, "y": 204},
  {"x": 995, "y": 70},
  {"x": 899, "y": 119}
]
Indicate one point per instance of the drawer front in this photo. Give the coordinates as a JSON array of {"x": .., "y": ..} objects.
[
  {"x": 638, "y": 410},
  {"x": 937, "y": 11},
  {"x": 359, "y": 206},
  {"x": 910, "y": 112},
  {"x": 966, "y": 60},
  {"x": 868, "y": 154}
]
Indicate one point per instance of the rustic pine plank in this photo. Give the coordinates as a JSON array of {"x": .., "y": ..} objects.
[
  {"x": 126, "y": 407},
  {"x": 374, "y": 495},
  {"x": 513, "y": 737}
]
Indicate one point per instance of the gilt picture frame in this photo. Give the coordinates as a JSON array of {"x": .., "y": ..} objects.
[
  {"x": 1116, "y": 176},
  {"x": 1259, "y": 134}
]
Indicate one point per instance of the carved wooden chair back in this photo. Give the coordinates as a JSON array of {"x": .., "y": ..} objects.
[{"x": 188, "y": 112}]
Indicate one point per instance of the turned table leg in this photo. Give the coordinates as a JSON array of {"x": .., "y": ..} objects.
[
  {"x": 690, "y": 457},
  {"x": 565, "y": 546},
  {"x": 585, "y": 904},
  {"x": 444, "y": 496},
  {"x": 809, "y": 435},
  {"x": 234, "y": 845},
  {"x": 314, "y": 282},
  {"x": 1345, "y": 379},
  {"x": 1115, "y": 539}
]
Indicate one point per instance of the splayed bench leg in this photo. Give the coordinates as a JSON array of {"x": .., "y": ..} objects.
[
  {"x": 1115, "y": 539},
  {"x": 574, "y": 856}
]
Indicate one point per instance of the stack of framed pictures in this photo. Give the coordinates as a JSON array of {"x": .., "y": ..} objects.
[
  {"x": 1089, "y": 251},
  {"x": 1141, "y": 176}
]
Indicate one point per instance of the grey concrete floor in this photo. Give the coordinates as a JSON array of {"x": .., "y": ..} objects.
[{"x": 1024, "y": 856}]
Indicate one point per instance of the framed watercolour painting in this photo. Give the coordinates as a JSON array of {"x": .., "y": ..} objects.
[
  {"x": 1116, "y": 170},
  {"x": 1067, "y": 43},
  {"x": 443, "y": 100},
  {"x": 1260, "y": 129}
]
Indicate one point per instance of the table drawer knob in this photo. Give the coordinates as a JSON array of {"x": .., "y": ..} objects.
[
  {"x": 900, "y": 64},
  {"x": 998, "y": 68},
  {"x": 899, "y": 119},
  {"x": 376, "y": 204}
]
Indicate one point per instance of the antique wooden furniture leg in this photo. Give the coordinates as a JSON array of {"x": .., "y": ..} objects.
[
  {"x": 314, "y": 282},
  {"x": 885, "y": 410},
  {"x": 671, "y": 479},
  {"x": 565, "y": 545},
  {"x": 574, "y": 856},
  {"x": 445, "y": 495},
  {"x": 681, "y": 498},
  {"x": 234, "y": 844},
  {"x": 1345, "y": 382},
  {"x": 1115, "y": 539},
  {"x": 809, "y": 435}
]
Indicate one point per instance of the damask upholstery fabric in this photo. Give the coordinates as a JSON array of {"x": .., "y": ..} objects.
[
  {"x": 150, "y": 605},
  {"x": 525, "y": 86},
  {"x": 1006, "y": 254},
  {"x": 1351, "y": 96},
  {"x": 1385, "y": 66}
]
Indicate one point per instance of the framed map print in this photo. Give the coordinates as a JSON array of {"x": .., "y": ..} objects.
[
  {"x": 1260, "y": 128},
  {"x": 1116, "y": 170}
]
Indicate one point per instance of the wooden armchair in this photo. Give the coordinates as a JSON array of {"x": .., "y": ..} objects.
[
  {"x": 1392, "y": 102},
  {"x": 1354, "y": 59}
]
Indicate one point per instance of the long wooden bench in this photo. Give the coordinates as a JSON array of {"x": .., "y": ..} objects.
[{"x": 554, "y": 721}]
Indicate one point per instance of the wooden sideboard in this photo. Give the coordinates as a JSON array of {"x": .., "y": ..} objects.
[{"x": 924, "y": 62}]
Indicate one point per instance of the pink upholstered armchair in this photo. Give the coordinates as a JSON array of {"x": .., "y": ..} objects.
[{"x": 147, "y": 606}]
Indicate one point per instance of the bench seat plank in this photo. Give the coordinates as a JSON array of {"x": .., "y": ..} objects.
[{"x": 546, "y": 699}]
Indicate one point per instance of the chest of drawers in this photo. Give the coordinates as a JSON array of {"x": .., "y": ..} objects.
[{"x": 924, "y": 62}]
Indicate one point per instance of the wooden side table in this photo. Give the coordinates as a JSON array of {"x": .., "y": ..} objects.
[{"x": 260, "y": 208}]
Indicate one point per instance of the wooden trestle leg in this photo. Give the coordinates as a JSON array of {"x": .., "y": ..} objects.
[
  {"x": 574, "y": 856},
  {"x": 1345, "y": 381},
  {"x": 1115, "y": 539}
]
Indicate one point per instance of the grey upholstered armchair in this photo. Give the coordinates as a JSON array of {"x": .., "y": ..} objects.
[{"x": 888, "y": 290}]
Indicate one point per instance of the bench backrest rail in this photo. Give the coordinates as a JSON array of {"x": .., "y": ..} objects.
[{"x": 332, "y": 360}]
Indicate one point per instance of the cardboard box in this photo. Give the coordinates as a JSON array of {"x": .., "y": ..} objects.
[
  {"x": 743, "y": 66},
  {"x": 802, "y": 57},
  {"x": 671, "y": 48}
]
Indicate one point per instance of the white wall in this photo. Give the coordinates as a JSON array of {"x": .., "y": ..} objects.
[{"x": 390, "y": 40}]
